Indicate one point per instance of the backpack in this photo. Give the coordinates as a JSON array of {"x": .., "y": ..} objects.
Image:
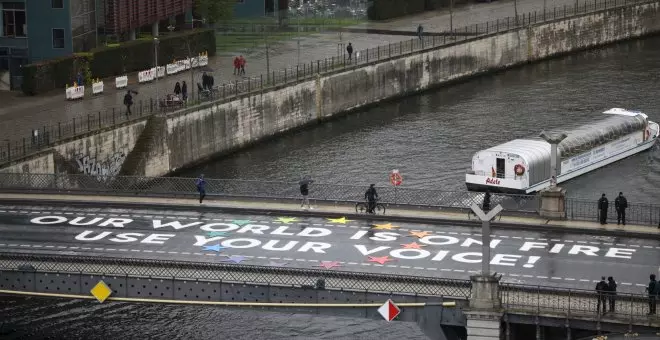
[
  {"x": 656, "y": 288},
  {"x": 601, "y": 287}
]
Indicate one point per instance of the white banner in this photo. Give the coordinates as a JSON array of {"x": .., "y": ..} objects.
[
  {"x": 172, "y": 68},
  {"x": 97, "y": 87},
  {"x": 161, "y": 71},
  {"x": 203, "y": 60},
  {"x": 146, "y": 75},
  {"x": 121, "y": 82},
  {"x": 75, "y": 92}
]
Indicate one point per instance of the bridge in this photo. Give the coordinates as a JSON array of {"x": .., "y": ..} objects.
[{"x": 150, "y": 240}]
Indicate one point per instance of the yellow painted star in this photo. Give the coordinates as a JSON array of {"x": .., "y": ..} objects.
[
  {"x": 286, "y": 219},
  {"x": 420, "y": 234},
  {"x": 388, "y": 226},
  {"x": 341, "y": 220}
]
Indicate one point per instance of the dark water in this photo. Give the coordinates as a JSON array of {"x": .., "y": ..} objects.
[{"x": 431, "y": 137}]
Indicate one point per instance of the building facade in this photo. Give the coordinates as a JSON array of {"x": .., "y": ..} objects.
[{"x": 36, "y": 30}]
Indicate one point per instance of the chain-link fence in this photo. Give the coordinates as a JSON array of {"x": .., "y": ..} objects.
[
  {"x": 235, "y": 273},
  {"x": 636, "y": 213},
  {"x": 44, "y": 136},
  {"x": 172, "y": 186}
]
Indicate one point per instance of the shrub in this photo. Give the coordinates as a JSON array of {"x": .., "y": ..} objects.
[{"x": 387, "y": 9}]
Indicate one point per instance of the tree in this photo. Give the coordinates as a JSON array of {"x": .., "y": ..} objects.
[{"x": 213, "y": 11}]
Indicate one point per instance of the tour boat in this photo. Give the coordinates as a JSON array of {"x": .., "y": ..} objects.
[{"x": 522, "y": 166}]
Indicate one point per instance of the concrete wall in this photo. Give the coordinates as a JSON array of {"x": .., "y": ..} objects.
[{"x": 212, "y": 129}]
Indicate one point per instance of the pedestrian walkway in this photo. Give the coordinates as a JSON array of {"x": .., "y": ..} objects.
[
  {"x": 284, "y": 207},
  {"x": 20, "y": 114}
]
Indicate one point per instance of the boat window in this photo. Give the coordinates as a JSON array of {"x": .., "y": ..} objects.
[
  {"x": 500, "y": 167},
  {"x": 591, "y": 136}
]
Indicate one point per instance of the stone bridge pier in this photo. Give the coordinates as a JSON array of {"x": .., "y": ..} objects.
[{"x": 484, "y": 317}]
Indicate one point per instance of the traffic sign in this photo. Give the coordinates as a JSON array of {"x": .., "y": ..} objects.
[
  {"x": 389, "y": 310},
  {"x": 395, "y": 178},
  {"x": 101, "y": 291}
]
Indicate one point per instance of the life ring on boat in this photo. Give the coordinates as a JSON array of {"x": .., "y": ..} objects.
[
  {"x": 519, "y": 169},
  {"x": 647, "y": 134}
]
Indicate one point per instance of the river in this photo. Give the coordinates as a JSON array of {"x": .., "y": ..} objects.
[{"x": 431, "y": 137}]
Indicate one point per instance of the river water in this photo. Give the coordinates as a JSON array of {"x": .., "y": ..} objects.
[{"x": 431, "y": 138}]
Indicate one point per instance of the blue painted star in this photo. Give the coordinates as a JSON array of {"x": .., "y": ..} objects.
[
  {"x": 216, "y": 233},
  {"x": 241, "y": 222},
  {"x": 236, "y": 258},
  {"x": 215, "y": 247}
]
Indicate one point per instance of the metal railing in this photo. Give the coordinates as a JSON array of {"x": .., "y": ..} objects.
[
  {"x": 636, "y": 213},
  {"x": 172, "y": 186},
  {"x": 537, "y": 300},
  {"x": 48, "y": 134}
]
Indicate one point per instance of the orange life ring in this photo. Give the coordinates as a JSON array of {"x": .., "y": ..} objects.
[
  {"x": 519, "y": 169},
  {"x": 647, "y": 134}
]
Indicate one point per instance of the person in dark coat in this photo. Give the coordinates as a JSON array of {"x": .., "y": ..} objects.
[
  {"x": 621, "y": 204},
  {"x": 128, "y": 101},
  {"x": 601, "y": 294},
  {"x": 200, "y": 183},
  {"x": 184, "y": 91},
  {"x": 486, "y": 205},
  {"x": 611, "y": 292},
  {"x": 349, "y": 50},
  {"x": 177, "y": 89},
  {"x": 371, "y": 196},
  {"x": 205, "y": 81},
  {"x": 603, "y": 204},
  {"x": 304, "y": 191},
  {"x": 653, "y": 290}
]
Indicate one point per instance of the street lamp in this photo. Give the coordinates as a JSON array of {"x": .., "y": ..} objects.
[
  {"x": 554, "y": 139},
  {"x": 485, "y": 217},
  {"x": 156, "y": 42}
]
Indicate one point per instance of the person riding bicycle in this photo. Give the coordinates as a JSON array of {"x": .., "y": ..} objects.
[{"x": 371, "y": 196}]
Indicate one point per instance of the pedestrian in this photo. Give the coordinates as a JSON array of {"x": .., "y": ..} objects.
[
  {"x": 654, "y": 290},
  {"x": 79, "y": 79},
  {"x": 349, "y": 50},
  {"x": 611, "y": 290},
  {"x": 603, "y": 204},
  {"x": 177, "y": 89},
  {"x": 242, "y": 64},
  {"x": 128, "y": 101},
  {"x": 205, "y": 81},
  {"x": 486, "y": 205},
  {"x": 371, "y": 196},
  {"x": 237, "y": 65},
  {"x": 620, "y": 204},
  {"x": 420, "y": 32},
  {"x": 184, "y": 91},
  {"x": 304, "y": 191},
  {"x": 200, "y": 183},
  {"x": 601, "y": 291},
  {"x": 211, "y": 82}
]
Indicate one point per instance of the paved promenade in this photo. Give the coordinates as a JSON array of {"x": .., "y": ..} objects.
[{"x": 21, "y": 114}]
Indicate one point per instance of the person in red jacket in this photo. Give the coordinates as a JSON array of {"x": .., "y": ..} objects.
[
  {"x": 237, "y": 65},
  {"x": 242, "y": 63}
]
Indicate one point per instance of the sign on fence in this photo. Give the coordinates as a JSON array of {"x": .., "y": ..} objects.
[
  {"x": 203, "y": 60},
  {"x": 146, "y": 75},
  {"x": 121, "y": 82},
  {"x": 75, "y": 92},
  {"x": 97, "y": 87},
  {"x": 161, "y": 71}
]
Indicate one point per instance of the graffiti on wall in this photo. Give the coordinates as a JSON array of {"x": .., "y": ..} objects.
[{"x": 109, "y": 167}]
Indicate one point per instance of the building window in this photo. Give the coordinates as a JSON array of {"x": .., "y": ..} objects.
[
  {"x": 58, "y": 37},
  {"x": 13, "y": 19},
  {"x": 57, "y": 3}
]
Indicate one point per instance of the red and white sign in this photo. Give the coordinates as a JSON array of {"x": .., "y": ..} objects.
[
  {"x": 395, "y": 178},
  {"x": 389, "y": 310}
]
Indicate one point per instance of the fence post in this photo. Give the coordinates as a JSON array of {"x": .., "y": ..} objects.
[
  {"x": 88, "y": 123},
  {"x": 99, "y": 119},
  {"x": 497, "y": 25},
  {"x": 401, "y": 47},
  {"x": 507, "y": 23},
  {"x": 249, "y": 83},
  {"x": 9, "y": 151},
  {"x": 261, "y": 76},
  {"x": 24, "y": 147},
  {"x": 487, "y": 27},
  {"x": 389, "y": 50},
  {"x": 378, "y": 52},
  {"x": 59, "y": 130},
  {"x": 74, "y": 126},
  {"x": 318, "y": 66},
  {"x": 236, "y": 85},
  {"x": 273, "y": 77},
  {"x": 140, "y": 107},
  {"x": 367, "y": 55},
  {"x": 297, "y": 71},
  {"x": 285, "y": 75}
]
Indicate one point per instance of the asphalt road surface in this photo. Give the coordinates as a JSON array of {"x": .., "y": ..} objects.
[{"x": 334, "y": 243}]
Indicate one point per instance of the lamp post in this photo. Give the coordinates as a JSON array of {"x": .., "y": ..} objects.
[
  {"x": 156, "y": 42},
  {"x": 190, "y": 60},
  {"x": 485, "y": 218},
  {"x": 554, "y": 139}
]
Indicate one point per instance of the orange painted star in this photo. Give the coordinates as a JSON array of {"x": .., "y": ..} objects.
[
  {"x": 380, "y": 260},
  {"x": 388, "y": 226},
  {"x": 413, "y": 245},
  {"x": 420, "y": 234}
]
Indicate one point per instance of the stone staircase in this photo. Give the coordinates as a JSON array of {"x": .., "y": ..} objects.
[{"x": 149, "y": 142}]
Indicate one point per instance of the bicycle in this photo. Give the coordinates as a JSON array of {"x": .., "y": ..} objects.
[{"x": 361, "y": 208}]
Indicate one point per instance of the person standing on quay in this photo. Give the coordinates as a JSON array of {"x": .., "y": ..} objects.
[
  {"x": 242, "y": 64},
  {"x": 653, "y": 289},
  {"x": 601, "y": 291},
  {"x": 349, "y": 50},
  {"x": 620, "y": 204},
  {"x": 304, "y": 190},
  {"x": 603, "y": 204},
  {"x": 611, "y": 290},
  {"x": 184, "y": 91},
  {"x": 201, "y": 187}
]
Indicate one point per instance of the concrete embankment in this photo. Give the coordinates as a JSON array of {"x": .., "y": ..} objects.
[{"x": 184, "y": 138}]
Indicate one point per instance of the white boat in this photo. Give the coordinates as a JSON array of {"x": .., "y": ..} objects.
[{"x": 522, "y": 166}]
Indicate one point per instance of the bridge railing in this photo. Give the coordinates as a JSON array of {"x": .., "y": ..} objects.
[
  {"x": 228, "y": 272},
  {"x": 44, "y": 136},
  {"x": 636, "y": 213},
  {"x": 574, "y": 302},
  {"x": 177, "y": 186}
]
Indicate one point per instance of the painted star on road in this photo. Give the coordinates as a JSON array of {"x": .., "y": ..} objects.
[
  {"x": 329, "y": 264},
  {"x": 235, "y": 258},
  {"x": 241, "y": 222},
  {"x": 216, "y": 233},
  {"x": 413, "y": 245},
  {"x": 215, "y": 247},
  {"x": 380, "y": 260},
  {"x": 388, "y": 226},
  {"x": 341, "y": 220},
  {"x": 286, "y": 220},
  {"x": 420, "y": 234},
  {"x": 277, "y": 264}
]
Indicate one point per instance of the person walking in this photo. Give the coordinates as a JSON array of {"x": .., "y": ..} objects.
[
  {"x": 200, "y": 183},
  {"x": 601, "y": 291},
  {"x": 304, "y": 190},
  {"x": 611, "y": 292},
  {"x": 237, "y": 66},
  {"x": 603, "y": 204},
  {"x": 242, "y": 64},
  {"x": 177, "y": 89},
  {"x": 184, "y": 91},
  {"x": 420, "y": 32},
  {"x": 620, "y": 204},
  {"x": 653, "y": 290},
  {"x": 349, "y": 50},
  {"x": 128, "y": 101}
]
